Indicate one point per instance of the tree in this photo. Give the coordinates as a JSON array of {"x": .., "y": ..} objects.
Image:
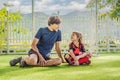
[
  {"x": 7, "y": 18},
  {"x": 114, "y": 5}
]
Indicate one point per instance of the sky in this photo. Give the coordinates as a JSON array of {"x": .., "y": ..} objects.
[{"x": 46, "y": 6}]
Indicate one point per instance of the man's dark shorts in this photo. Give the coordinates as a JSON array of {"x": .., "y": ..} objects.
[{"x": 34, "y": 52}]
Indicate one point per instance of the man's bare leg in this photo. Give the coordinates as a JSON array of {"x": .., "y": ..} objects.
[
  {"x": 32, "y": 61},
  {"x": 29, "y": 60},
  {"x": 51, "y": 62}
]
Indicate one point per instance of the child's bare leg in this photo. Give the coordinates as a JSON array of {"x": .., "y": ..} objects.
[
  {"x": 68, "y": 59},
  {"x": 83, "y": 55},
  {"x": 67, "y": 56}
]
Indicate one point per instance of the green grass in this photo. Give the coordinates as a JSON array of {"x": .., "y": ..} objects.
[{"x": 104, "y": 67}]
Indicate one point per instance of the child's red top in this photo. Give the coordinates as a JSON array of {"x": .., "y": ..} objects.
[{"x": 77, "y": 50}]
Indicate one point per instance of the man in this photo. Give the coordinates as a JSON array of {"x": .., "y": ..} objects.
[{"x": 42, "y": 44}]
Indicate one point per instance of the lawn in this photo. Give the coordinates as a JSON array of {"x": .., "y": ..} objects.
[{"x": 104, "y": 67}]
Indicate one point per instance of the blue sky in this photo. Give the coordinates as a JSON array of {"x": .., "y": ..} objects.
[{"x": 46, "y": 6}]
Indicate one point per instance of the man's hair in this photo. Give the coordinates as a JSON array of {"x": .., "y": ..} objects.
[{"x": 54, "y": 20}]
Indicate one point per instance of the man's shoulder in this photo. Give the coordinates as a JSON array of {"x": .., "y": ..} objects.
[
  {"x": 59, "y": 31},
  {"x": 42, "y": 29}
]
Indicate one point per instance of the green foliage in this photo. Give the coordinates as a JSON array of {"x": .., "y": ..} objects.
[
  {"x": 25, "y": 31},
  {"x": 20, "y": 30},
  {"x": 8, "y": 18},
  {"x": 5, "y": 18},
  {"x": 114, "y": 13},
  {"x": 11, "y": 17},
  {"x": 108, "y": 1}
]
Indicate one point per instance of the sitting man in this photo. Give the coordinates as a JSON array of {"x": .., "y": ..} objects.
[{"x": 39, "y": 54}]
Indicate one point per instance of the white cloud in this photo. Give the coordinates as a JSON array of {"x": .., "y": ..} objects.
[
  {"x": 43, "y": 2},
  {"x": 44, "y": 5},
  {"x": 15, "y": 2},
  {"x": 15, "y": 5},
  {"x": 48, "y": 6},
  {"x": 55, "y": 7},
  {"x": 75, "y": 5},
  {"x": 26, "y": 9},
  {"x": 86, "y": 1}
]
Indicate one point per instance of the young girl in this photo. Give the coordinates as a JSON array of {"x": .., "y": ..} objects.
[{"x": 77, "y": 54}]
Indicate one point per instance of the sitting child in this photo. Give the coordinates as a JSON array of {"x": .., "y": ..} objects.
[{"x": 77, "y": 54}]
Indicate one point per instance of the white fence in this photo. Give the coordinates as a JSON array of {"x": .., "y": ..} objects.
[{"x": 19, "y": 36}]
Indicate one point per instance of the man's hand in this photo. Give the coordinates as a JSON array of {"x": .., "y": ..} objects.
[
  {"x": 34, "y": 47},
  {"x": 57, "y": 47},
  {"x": 42, "y": 61},
  {"x": 63, "y": 60}
]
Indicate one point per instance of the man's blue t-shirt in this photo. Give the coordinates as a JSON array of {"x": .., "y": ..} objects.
[{"x": 47, "y": 39}]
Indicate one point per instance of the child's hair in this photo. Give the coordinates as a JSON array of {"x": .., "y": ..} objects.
[
  {"x": 54, "y": 20},
  {"x": 79, "y": 36}
]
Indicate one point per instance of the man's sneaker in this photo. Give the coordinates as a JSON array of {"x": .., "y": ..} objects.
[
  {"x": 23, "y": 63},
  {"x": 13, "y": 62}
]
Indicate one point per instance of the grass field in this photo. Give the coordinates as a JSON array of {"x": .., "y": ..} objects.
[{"x": 103, "y": 67}]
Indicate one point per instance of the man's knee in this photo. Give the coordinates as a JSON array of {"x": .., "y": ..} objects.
[
  {"x": 56, "y": 61},
  {"x": 32, "y": 60}
]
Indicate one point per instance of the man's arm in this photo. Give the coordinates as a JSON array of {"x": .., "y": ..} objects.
[
  {"x": 58, "y": 50},
  {"x": 34, "y": 47}
]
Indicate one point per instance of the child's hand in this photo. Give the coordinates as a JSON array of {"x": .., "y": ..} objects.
[
  {"x": 76, "y": 63},
  {"x": 77, "y": 57}
]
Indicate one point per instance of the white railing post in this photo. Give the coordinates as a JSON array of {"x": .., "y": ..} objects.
[{"x": 33, "y": 19}]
